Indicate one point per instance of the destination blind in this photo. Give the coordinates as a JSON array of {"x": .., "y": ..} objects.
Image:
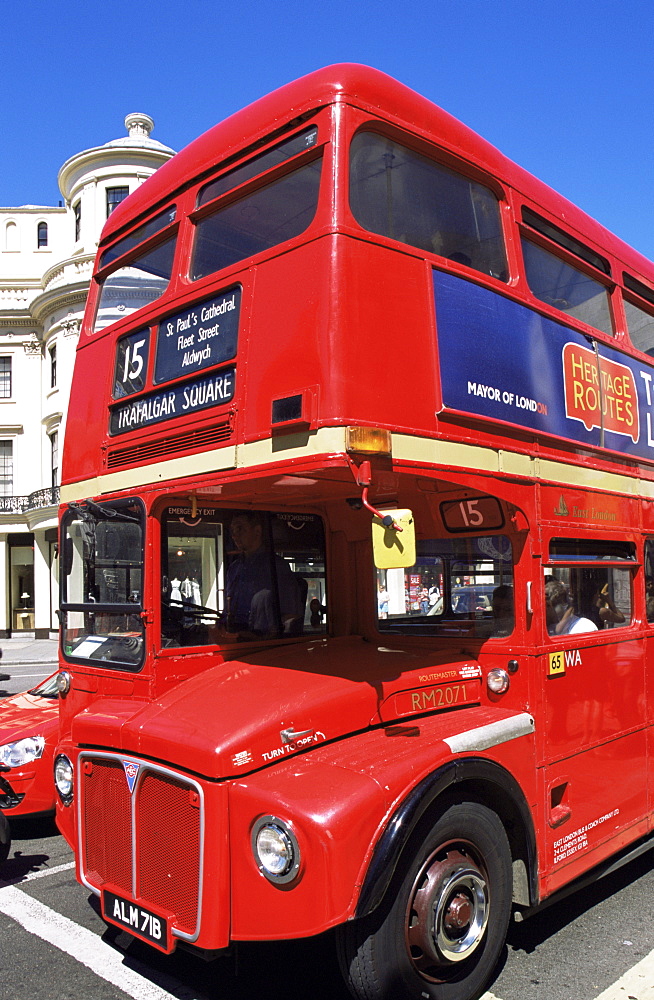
[
  {"x": 174, "y": 401},
  {"x": 203, "y": 335}
]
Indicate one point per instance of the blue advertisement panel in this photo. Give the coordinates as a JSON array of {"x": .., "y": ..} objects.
[
  {"x": 504, "y": 361},
  {"x": 200, "y": 336}
]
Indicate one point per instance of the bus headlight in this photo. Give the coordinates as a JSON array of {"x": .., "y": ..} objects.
[
  {"x": 63, "y": 778},
  {"x": 22, "y": 751},
  {"x": 498, "y": 681},
  {"x": 276, "y": 850},
  {"x": 63, "y": 682}
]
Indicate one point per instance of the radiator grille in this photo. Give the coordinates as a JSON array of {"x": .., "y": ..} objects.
[
  {"x": 168, "y": 853},
  {"x": 147, "y": 843},
  {"x": 106, "y": 808},
  {"x": 190, "y": 440}
]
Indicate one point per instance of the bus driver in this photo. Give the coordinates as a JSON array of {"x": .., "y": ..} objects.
[{"x": 250, "y": 597}]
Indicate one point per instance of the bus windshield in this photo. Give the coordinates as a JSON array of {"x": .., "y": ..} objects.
[
  {"x": 102, "y": 574},
  {"x": 233, "y": 575}
]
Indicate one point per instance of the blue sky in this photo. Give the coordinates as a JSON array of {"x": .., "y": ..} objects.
[{"x": 564, "y": 88}]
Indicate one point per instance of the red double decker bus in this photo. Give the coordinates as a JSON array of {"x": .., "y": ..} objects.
[{"x": 356, "y": 544}]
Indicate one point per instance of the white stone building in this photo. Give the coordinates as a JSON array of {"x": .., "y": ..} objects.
[{"x": 46, "y": 260}]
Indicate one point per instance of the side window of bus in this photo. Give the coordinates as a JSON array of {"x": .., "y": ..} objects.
[
  {"x": 401, "y": 194},
  {"x": 640, "y": 325},
  {"x": 649, "y": 579},
  {"x": 588, "y": 585},
  {"x": 572, "y": 291},
  {"x": 457, "y": 586}
]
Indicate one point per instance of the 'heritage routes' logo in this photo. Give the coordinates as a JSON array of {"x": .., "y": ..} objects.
[{"x": 611, "y": 403}]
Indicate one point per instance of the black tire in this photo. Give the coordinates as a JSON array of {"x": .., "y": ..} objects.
[
  {"x": 5, "y": 838},
  {"x": 442, "y": 926}
]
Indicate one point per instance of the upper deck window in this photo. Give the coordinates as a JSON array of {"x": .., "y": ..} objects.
[
  {"x": 641, "y": 327},
  {"x": 137, "y": 236},
  {"x": 143, "y": 277},
  {"x": 398, "y": 193},
  {"x": 639, "y": 322},
  {"x": 256, "y": 222},
  {"x": 133, "y": 286},
  {"x": 566, "y": 288},
  {"x": 565, "y": 240},
  {"x": 259, "y": 165}
]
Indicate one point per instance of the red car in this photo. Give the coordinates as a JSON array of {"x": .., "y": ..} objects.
[{"x": 29, "y": 723}]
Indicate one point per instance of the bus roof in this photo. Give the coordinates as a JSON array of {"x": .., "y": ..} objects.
[{"x": 375, "y": 92}]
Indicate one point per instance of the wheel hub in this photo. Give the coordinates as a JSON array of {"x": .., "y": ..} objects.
[
  {"x": 448, "y": 911},
  {"x": 458, "y": 914}
]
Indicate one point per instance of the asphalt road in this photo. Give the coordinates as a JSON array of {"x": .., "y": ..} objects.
[
  {"x": 22, "y": 676},
  {"x": 54, "y": 946}
]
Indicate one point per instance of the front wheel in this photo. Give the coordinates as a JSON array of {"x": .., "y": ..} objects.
[{"x": 439, "y": 933}]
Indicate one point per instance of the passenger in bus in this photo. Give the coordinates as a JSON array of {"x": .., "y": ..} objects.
[
  {"x": 606, "y": 613},
  {"x": 561, "y": 616},
  {"x": 595, "y": 601},
  {"x": 502, "y": 603},
  {"x": 649, "y": 598},
  {"x": 255, "y": 604}
]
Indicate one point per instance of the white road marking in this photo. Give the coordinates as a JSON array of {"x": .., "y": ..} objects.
[
  {"x": 87, "y": 948},
  {"x": 49, "y": 871},
  {"x": 637, "y": 982},
  {"x": 41, "y": 873}
]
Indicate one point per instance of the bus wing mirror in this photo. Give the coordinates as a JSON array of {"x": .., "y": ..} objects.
[{"x": 393, "y": 549}]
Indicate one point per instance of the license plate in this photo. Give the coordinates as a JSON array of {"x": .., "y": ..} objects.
[{"x": 142, "y": 923}]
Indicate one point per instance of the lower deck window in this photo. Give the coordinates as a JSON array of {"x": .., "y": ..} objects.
[
  {"x": 458, "y": 586},
  {"x": 586, "y": 588}
]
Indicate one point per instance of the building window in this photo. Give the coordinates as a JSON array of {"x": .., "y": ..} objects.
[
  {"x": 6, "y": 468},
  {"x": 5, "y": 378},
  {"x": 52, "y": 351},
  {"x": 54, "y": 457},
  {"x": 114, "y": 197},
  {"x": 77, "y": 212},
  {"x": 42, "y": 234},
  {"x": 12, "y": 241}
]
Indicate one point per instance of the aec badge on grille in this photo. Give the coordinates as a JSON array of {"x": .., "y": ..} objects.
[{"x": 131, "y": 772}]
